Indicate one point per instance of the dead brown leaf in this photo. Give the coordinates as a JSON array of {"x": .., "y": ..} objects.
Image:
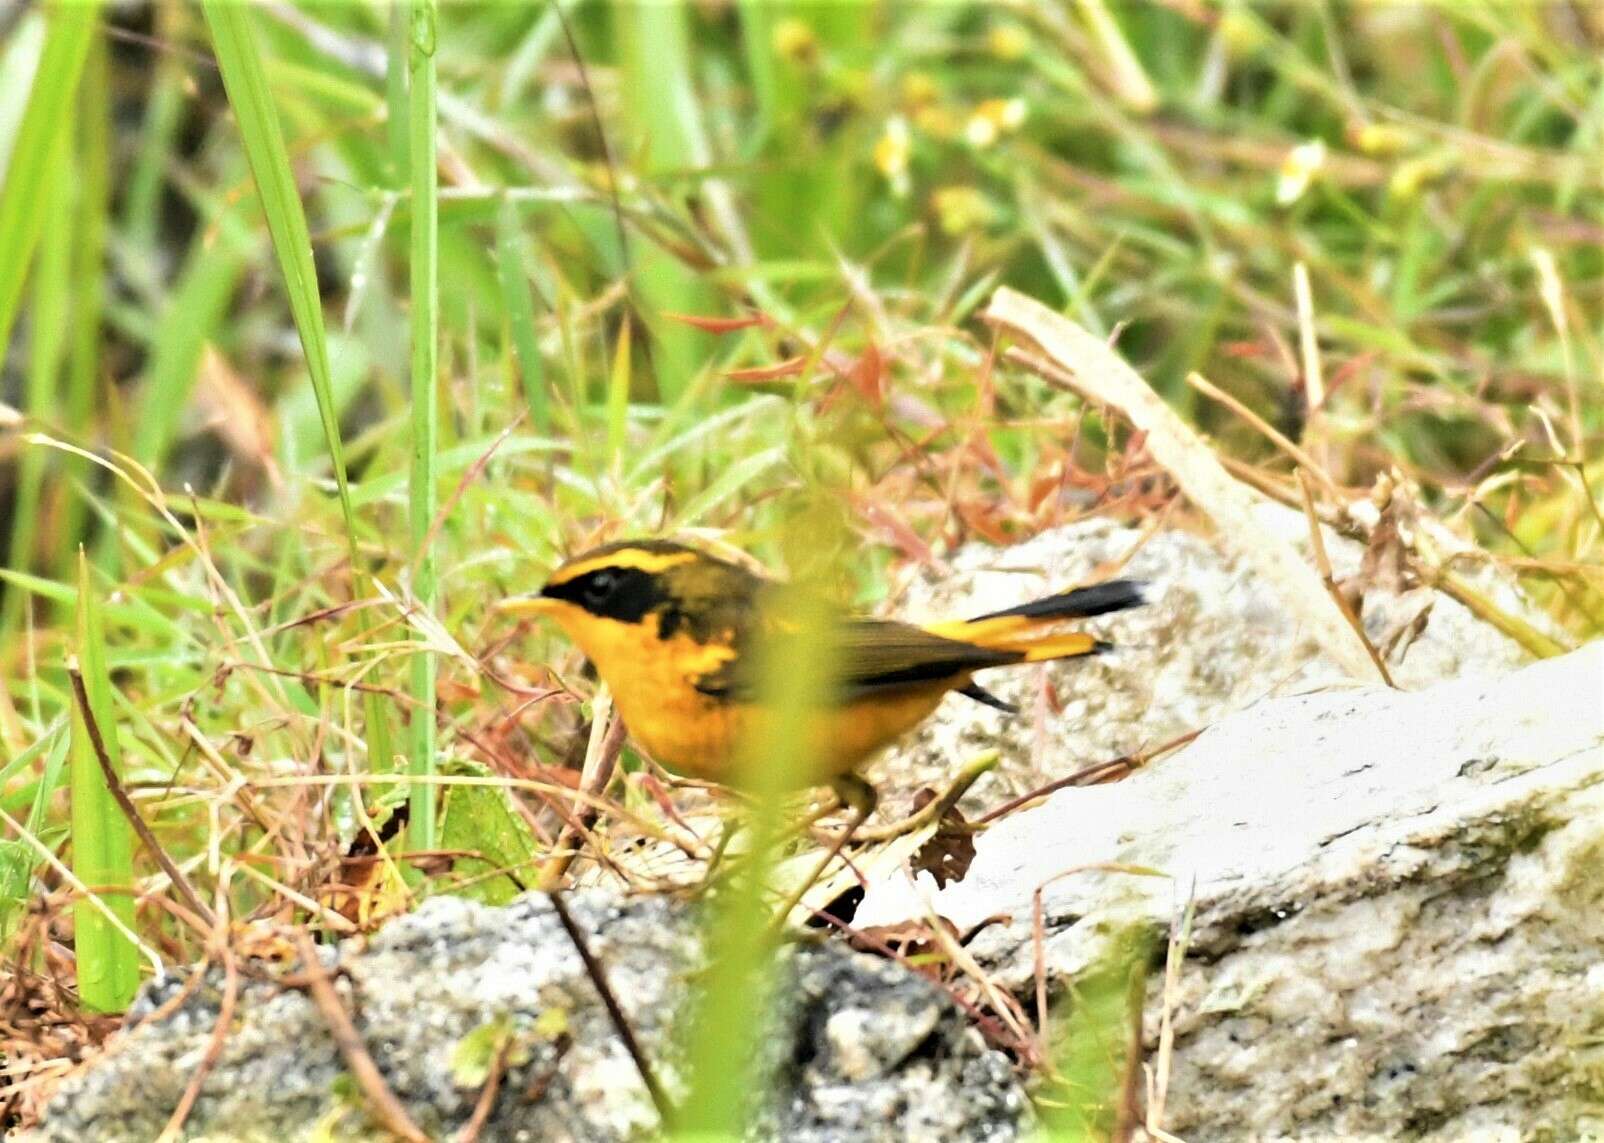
[{"x": 946, "y": 856}]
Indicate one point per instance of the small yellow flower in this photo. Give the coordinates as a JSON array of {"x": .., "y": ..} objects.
[
  {"x": 961, "y": 209},
  {"x": 1298, "y": 169},
  {"x": 1008, "y": 42},
  {"x": 937, "y": 122},
  {"x": 794, "y": 40},
  {"x": 1382, "y": 139},
  {"x": 918, "y": 90},
  {"x": 891, "y": 152},
  {"x": 993, "y": 118}
]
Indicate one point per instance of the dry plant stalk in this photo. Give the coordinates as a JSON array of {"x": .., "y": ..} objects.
[
  {"x": 214, "y": 1046},
  {"x": 1102, "y": 376},
  {"x": 199, "y": 910},
  {"x": 391, "y": 1112},
  {"x": 1322, "y": 561},
  {"x": 615, "y": 1011}
]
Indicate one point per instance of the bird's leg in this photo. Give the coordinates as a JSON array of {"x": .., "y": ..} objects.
[{"x": 860, "y": 798}]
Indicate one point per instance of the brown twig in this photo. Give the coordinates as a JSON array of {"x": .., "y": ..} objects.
[
  {"x": 1268, "y": 431},
  {"x": 626, "y": 1033},
  {"x": 214, "y": 1047},
  {"x": 392, "y": 1114},
  {"x": 1323, "y": 562},
  {"x": 1088, "y": 775},
  {"x": 994, "y": 1029},
  {"x": 486, "y": 1102},
  {"x": 601, "y": 759},
  {"x": 126, "y": 804}
]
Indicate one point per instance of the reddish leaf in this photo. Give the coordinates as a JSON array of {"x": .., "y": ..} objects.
[
  {"x": 720, "y": 324},
  {"x": 868, "y": 374},
  {"x": 790, "y": 367}
]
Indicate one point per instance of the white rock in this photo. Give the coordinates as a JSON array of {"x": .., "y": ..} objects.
[{"x": 1399, "y": 907}]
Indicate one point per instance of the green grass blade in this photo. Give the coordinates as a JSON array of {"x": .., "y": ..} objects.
[
  {"x": 17, "y": 857},
  {"x": 618, "y": 400},
  {"x": 88, "y": 294},
  {"x": 395, "y": 93},
  {"x": 19, "y": 61},
  {"x": 517, "y": 299},
  {"x": 425, "y": 253},
  {"x": 660, "y": 103},
  {"x": 245, "y": 80},
  {"x": 138, "y": 223},
  {"x": 195, "y": 310},
  {"x": 39, "y": 150},
  {"x": 48, "y": 329},
  {"x": 102, "y": 847},
  {"x": 727, "y": 1020}
]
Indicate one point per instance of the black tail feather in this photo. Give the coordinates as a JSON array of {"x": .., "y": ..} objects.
[{"x": 1079, "y": 603}]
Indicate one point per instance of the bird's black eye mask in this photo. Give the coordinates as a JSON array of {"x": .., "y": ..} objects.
[{"x": 624, "y": 594}]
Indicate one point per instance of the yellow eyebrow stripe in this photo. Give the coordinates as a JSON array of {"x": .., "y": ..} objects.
[{"x": 637, "y": 558}]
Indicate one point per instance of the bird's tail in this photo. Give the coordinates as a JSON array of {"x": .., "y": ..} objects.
[{"x": 1033, "y": 631}]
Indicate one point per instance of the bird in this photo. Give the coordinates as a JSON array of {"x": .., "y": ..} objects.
[{"x": 673, "y": 630}]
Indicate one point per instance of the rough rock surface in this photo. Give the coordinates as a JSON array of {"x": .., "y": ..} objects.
[
  {"x": 867, "y": 1050},
  {"x": 1399, "y": 927},
  {"x": 1212, "y": 639}
]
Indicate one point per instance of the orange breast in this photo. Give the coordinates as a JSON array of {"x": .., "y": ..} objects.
[
  {"x": 698, "y": 736},
  {"x": 654, "y": 690}
]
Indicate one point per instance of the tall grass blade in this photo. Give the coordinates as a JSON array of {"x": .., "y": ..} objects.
[
  {"x": 618, "y": 400},
  {"x": 142, "y": 188},
  {"x": 245, "y": 81},
  {"x": 660, "y": 102},
  {"x": 17, "y": 857},
  {"x": 194, "y": 311},
  {"x": 88, "y": 294},
  {"x": 518, "y": 302},
  {"x": 395, "y": 93},
  {"x": 102, "y": 847},
  {"x": 730, "y": 1009},
  {"x": 425, "y": 286},
  {"x": 39, "y": 150},
  {"x": 48, "y": 330}
]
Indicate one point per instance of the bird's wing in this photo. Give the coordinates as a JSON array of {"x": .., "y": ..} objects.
[
  {"x": 878, "y": 653},
  {"x": 871, "y": 655}
]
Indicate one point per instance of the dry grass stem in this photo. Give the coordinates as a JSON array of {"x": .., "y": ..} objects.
[
  {"x": 1323, "y": 562},
  {"x": 1103, "y": 377},
  {"x": 390, "y": 1112},
  {"x": 615, "y": 1012}
]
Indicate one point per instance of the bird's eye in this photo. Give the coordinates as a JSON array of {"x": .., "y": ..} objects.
[{"x": 599, "y": 585}]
